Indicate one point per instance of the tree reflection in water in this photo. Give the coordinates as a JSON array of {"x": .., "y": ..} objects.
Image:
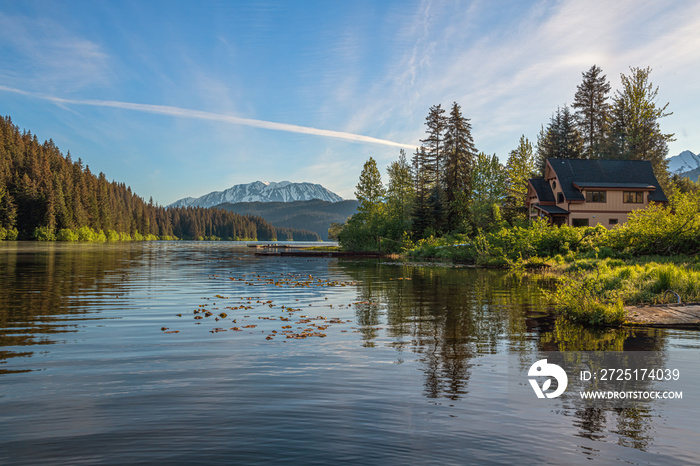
[{"x": 450, "y": 316}]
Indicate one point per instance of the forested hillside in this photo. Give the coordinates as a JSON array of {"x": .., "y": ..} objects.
[
  {"x": 315, "y": 215},
  {"x": 46, "y": 195}
]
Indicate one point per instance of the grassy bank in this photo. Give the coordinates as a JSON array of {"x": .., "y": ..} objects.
[
  {"x": 599, "y": 271},
  {"x": 595, "y": 291}
]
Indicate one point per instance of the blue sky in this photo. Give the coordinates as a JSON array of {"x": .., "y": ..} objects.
[{"x": 180, "y": 98}]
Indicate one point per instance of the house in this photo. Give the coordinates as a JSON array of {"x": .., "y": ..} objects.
[{"x": 579, "y": 192}]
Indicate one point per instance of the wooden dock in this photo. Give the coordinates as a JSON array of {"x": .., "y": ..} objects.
[
  {"x": 665, "y": 315},
  {"x": 302, "y": 253}
]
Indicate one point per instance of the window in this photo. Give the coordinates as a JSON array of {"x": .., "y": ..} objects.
[
  {"x": 595, "y": 196},
  {"x": 612, "y": 221},
  {"x": 554, "y": 184},
  {"x": 580, "y": 222},
  {"x": 560, "y": 197},
  {"x": 633, "y": 197}
]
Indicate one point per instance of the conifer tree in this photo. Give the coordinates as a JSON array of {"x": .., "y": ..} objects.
[
  {"x": 592, "y": 111},
  {"x": 459, "y": 156},
  {"x": 636, "y": 133},
  {"x": 561, "y": 139},
  {"x": 435, "y": 124}
]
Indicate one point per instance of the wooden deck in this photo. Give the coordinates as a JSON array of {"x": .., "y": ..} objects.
[
  {"x": 665, "y": 315},
  {"x": 302, "y": 253}
]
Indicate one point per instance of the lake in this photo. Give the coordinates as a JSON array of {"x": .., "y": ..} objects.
[{"x": 202, "y": 352}]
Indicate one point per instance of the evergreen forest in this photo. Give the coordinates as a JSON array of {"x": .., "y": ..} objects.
[{"x": 45, "y": 195}]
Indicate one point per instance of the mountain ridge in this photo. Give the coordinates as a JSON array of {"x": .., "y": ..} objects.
[
  {"x": 684, "y": 162},
  {"x": 261, "y": 191}
]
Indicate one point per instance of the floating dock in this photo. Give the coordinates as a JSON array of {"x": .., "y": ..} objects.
[
  {"x": 665, "y": 315},
  {"x": 302, "y": 253}
]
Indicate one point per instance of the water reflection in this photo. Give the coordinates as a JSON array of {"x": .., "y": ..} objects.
[
  {"x": 443, "y": 321},
  {"x": 450, "y": 317},
  {"x": 44, "y": 286}
]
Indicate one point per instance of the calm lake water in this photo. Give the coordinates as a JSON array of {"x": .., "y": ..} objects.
[{"x": 112, "y": 353}]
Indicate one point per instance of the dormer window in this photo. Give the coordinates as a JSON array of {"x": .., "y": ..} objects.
[
  {"x": 560, "y": 198},
  {"x": 554, "y": 184}
]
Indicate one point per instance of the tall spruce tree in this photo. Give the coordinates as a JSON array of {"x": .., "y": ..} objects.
[
  {"x": 435, "y": 124},
  {"x": 459, "y": 156},
  {"x": 635, "y": 130},
  {"x": 542, "y": 151},
  {"x": 561, "y": 139},
  {"x": 592, "y": 111}
]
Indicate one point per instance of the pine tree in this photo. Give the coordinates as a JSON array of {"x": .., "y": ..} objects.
[
  {"x": 434, "y": 143},
  {"x": 561, "y": 139},
  {"x": 592, "y": 111},
  {"x": 543, "y": 151},
  {"x": 459, "y": 156},
  {"x": 636, "y": 133}
]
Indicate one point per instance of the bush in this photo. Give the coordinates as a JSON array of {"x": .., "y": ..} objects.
[
  {"x": 112, "y": 236},
  {"x": 587, "y": 298},
  {"x": 44, "y": 234},
  {"x": 9, "y": 234},
  {"x": 66, "y": 234},
  {"x": 664, "y": 230}
]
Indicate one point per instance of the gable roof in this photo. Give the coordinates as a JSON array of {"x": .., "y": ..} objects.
[
  {"x": 598, "y": 173},
  {"x": 542, "y": 188}
]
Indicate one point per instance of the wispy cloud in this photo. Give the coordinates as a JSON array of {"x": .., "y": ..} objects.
[
  {"x": 42, "y": 52},
  {"x": 202, "y": 115}
]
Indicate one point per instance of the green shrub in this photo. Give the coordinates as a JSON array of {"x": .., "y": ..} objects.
[
  {"x": 44, "y": 234},
  {"x": 586, "y": 298},
  {"x": 66, "y": 234},
  {"x": 85, "y": 233},
  {"x": 8, "y": 234}
]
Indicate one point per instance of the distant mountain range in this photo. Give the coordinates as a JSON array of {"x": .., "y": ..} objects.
[
  {"x": 315, "y": 215},
  {"x": 686, "y": 164},
  {"x": 261, "y": 191}
]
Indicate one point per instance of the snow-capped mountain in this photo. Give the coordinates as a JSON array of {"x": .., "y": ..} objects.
[
  {"x": 261, "y": 191},
  {"x": 684, "y": 162}
]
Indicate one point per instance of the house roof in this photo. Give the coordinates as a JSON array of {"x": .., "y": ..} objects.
[
  {"x": 543, "y": 190},
  {"x": 588, "y": 184},
  {"x": 605, "y": 174},
  {"x": 552, "y": 209}
]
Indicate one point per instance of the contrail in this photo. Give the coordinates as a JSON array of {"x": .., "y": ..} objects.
[{"x": 201, "y": 115}]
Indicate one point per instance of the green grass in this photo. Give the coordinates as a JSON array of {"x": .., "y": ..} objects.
[{"x": 595, "y": 291}]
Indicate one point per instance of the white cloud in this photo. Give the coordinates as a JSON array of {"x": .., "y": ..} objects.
[{"x": 43, "y": 53}]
